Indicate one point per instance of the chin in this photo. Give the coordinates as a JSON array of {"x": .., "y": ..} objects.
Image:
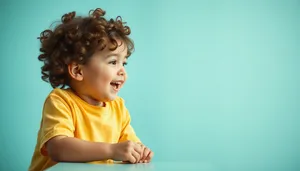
[{"x": 110, "y": 98}]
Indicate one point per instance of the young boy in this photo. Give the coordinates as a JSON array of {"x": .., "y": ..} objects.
[{"x": 87, "y": 121}]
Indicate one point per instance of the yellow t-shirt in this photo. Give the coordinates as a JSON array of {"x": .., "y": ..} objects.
[{"x": 65, "y": 113}]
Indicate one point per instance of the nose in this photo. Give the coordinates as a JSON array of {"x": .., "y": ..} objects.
[{"x": 122, "y": 71}]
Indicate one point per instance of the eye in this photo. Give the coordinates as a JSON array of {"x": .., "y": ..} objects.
[
  {"x": 125, "y": 63},
  {"x": 113, "y": 62}
]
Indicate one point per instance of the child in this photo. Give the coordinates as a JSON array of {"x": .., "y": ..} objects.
[{"x": 86, "y": 121}]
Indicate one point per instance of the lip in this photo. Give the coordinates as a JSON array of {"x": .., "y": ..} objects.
[{"x": 121, "y": 83}]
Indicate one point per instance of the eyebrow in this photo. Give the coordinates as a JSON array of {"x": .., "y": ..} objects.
[{"x": 115, "y": 54}]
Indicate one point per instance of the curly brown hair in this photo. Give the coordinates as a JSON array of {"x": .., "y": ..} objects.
[{"x": 76, "y": 39}]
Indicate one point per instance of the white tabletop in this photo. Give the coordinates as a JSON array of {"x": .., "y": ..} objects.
[{"x": 154, "y": 166}]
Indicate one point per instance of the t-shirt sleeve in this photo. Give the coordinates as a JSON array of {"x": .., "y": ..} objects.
[
  {"x": 56, "y": 120},
  {"x": 128, "y": 132}
]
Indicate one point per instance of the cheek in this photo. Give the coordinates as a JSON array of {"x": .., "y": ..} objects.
[
  {"x": 95, "y": 75},
  {"x": 100, "y": 75},
  {"x": 103, "y": 76}
]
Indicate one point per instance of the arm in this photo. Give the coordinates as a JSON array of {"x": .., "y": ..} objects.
[{"x": 68, "y": 149}]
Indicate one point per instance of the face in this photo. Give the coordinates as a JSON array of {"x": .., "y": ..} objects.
[{"x": 104, "y": 75}]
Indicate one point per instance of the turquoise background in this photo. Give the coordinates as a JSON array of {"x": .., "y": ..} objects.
[{"x": 210, "y": 81}]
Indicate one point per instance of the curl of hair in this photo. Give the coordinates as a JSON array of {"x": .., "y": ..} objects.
[{"x": 76, "y": 39}]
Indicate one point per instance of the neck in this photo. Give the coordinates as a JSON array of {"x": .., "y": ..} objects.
[{"x": 90, "y": 100}]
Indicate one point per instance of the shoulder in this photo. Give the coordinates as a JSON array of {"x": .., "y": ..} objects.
[
  {"x": 58, "y": 95},
  {"x": 59, "y": 92}
]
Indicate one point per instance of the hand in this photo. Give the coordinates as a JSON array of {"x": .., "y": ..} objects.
[
  {"x": 146, "y": 154},
  {"x": 126, "y": 151}
]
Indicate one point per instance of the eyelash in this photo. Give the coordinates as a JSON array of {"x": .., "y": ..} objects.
[{"x": 115, "y": 62}]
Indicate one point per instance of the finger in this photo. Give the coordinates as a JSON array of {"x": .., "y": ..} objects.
[
  {"x": 142, "y": 154},
  {"x": 146, "y": 153},
  {"x": 150, "y": 156},
  {"x": 131, "y": 159},
  {"x": 136, "y": 155},
  {"x": 138, "y": 148}
]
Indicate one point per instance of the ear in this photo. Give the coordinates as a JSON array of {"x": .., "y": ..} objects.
[{"x": 75, "y": 71}]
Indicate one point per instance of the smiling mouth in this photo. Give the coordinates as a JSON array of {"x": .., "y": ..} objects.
[{"x": 116, "y": 85}]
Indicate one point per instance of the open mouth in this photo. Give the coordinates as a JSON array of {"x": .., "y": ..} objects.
[{"x": 116, "y": 85}]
